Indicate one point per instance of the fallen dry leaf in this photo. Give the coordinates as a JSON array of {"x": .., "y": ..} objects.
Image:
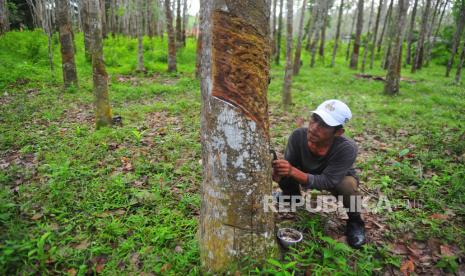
[
  {"x": 407, "y": 267},
  {"x": 72, "y": 272},
  {"x": 37, "y": 216},
  {"x": 445, "y": 251},
  {"x": 439, "y": 216},
  {"x": 82, "y": 245},
  {"x": 399, "y": 249},
  {"x": 165, "y": 268}
]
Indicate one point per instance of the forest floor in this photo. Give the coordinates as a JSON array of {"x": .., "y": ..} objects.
[{"x": 76, "y": 200}]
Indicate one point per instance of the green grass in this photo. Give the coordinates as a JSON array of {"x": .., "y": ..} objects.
[{"x": 75, "y": 199}]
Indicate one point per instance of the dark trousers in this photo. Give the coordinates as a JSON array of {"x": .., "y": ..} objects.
[{"x": 347, "y": 188}]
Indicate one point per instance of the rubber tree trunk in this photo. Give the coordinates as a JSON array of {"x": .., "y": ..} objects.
[
  {"x": 278, "y": 35},
  {"x": 171, "y": 38},
  {"x": 178, "y": 24},
  {"x": 273, "y": 28},
  {"x": 368, "y": 37},
  {"x": 387, "y": 19},
  {"x": 338, "y": 33},
  {"x": 298, "y": 48},
  {"x": 393, "y": 75},
  {"x": 457, "y": 35},
  {"x": 352, "y": 26},
  {"x": 140, "y": 36},
  {"x": 235, "y": 136},
  {"x": 185, "y": 18},
  {"x": 198, "y": 51},
  {"x": 103, "y": 115},
  {"x": 321, "y": 50},
  {"x": 86, "y": 28},
  {"x": 428, "y": 44},
  {"x": 4, "y": 22},
  {"x": 358, "y": 33},
  {"x": 440, "y": 18},
  {"x": 375, "y": 34},
  {"x": 103, "y": 16},
  {"x": 408, "y": 53},
  {"x": 67, "y": 44},
  {"x": 286, "y": 94},
  {"x": 419, "y": 50},
  {"x": 458, "y": 73}
]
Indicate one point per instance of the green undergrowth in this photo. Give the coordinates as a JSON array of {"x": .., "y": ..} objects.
[{"x": 75, "y": 200}]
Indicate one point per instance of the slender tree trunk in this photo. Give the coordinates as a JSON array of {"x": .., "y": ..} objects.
[
  {"x": 4, "y": 22},
  {"x": 202, "y": 27},
  {"x": 368, "y": 37},
  {"x": 103, "y": 16},
  {"x": 273, "y": 28},
  {"x": 456, "y": 41},
  {"x": 321, "y": 50},
  {"x": 358, "y": 33},
  {"x": 429, "y": 44},
  {"x": 440, "y": 18},
  {"x": 140, "y": 37},
  {"x": 67, "y": 44},
  {"x": 315, "y": 41},
  {"x": 418, "y": 59},
  {"x": 86, "y": 28},
  {"x": 410, "y": 33},
  {"x": 48, "y": 27},
  {"x": 458, "y": 73},
  {"x": 311, "y": 25},
  {"x": 350, "y": 35},
  {"x": 171, "y": 38},
  {"x": 298, "y": 48},
  {"x": 278, "y": 36},
  {"x": 286, "y": 94},
  {"x": 375, "y": 34},
  {"x": 387, "y": 18},
  {"x": 178, "y": 24},
  {"x": 235, "y": 137},
  {"x": 103, "y": 115},
  {"x": 338, "y": 33},
  {"x": 393, "y": 75},
  {"x": 185, "y": 18}
]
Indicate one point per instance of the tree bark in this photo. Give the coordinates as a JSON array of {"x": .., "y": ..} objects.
[
  {"x": 338, "y": 33},
  {"x": 298, "y": 48},
  {"x": 410, "y": 34},
  {"x": 387, "y": 18},
  {"x": 321, "y": 50},
  {"x": 419, "y": 51},
  {"x": 178, "y": 24},
  {"x": 429, "y": 44},
  {"x": 457, "y": 35},
  {"x": 4, "y": 22},
  {"x": 86, "y": 28},
  {"x": 393, "y": 75},
  {"x": 368, "y": 37},
  {"x": 375, "y": 34},
  {"x": 358, "y": 33},
  {"x": 103, "y": 16},
  {"x": 440, "y": 18},
  {"x": 140, "y": 37},
  {"x": 103, "y": 115},
  {"x": 202, "y": 25},
  {"x": 278, "y": 36},
  {"x": 171, "y": 38},
  {"x": 67, "y": 44},
  {"x": 458, "y": 73},
  {"x": 286, "y": 94},
  {"x": 350, "y": 35},
  {"x": 235, "y": 137},
  {"x": 185, "y": 18},
  {"x": 273, "y": 28}
]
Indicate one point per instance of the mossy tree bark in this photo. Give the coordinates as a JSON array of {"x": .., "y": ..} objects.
[
  {"x": 235, "y": 135},
  {"x": 460, "y": 23},
  {"x": 171, "y": 38},
  {"x": 67, "y": 44},
  {"x": 358, "y": 34},
  {"x": 86, "y": 28},
  {"x": 103, "y": 115},
  {"x": 396, "y": 37},
  {"x": 286, "y": 94}
]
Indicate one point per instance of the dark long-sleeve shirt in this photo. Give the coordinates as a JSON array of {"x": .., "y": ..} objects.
[{"x": 324, "y": 172}]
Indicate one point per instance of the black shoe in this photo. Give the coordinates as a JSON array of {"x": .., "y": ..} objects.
[{"x": 355, "y": 233}]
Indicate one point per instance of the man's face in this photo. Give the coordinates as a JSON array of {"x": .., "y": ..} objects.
[{"x": 319, "y": 131}]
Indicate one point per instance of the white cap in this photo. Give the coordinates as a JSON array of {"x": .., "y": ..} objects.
[{"x": 333, "y": 112}]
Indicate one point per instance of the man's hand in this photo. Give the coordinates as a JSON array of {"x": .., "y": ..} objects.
[{"x": 282, "y": 168}]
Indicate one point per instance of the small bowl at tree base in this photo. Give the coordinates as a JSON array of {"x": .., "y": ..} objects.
[{"x": 288, "y": 236}]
